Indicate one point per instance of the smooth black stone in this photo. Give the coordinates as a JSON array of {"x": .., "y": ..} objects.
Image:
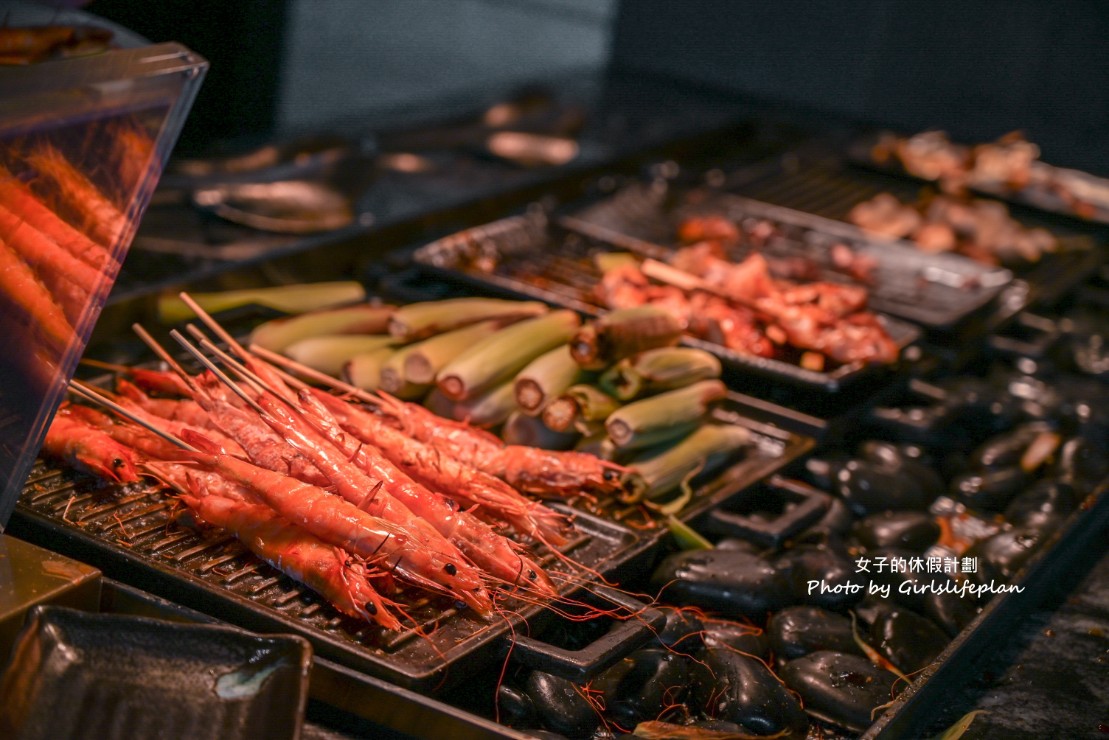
[
  {"x": 736, "y": 543},
  {"x": 821, "y": 576},
  {"x": 1000, "y": 557},
  {"x": 909, "y": 530},
  {"x": 868, "y": 488},
  {"x": 560, "y": 706},
  {"x": 1083, "y": 461},
  {"x": 658, "y": 678},
  {"x": 907, "y": 640},
  {"x": 1005, "y": 450},
  {"x": 742, "y": 638},
  {"x": 515, "y": 707},
  {"x": 845, "y": 688},
  {"x": 739, "y": 689},
  {"x": 1045, "y": 502},
  {"x": 732, "y": 583},
  {"x": 951, "y": 612},
  {"x": 682, "y": 629},
  {"x": 800, "y": 630},
  {"x": 990, "y": 490},
  {"x": 891, "y": 454}
]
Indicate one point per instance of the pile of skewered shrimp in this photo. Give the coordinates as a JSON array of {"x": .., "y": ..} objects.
[{"x": 332, "y": 492}]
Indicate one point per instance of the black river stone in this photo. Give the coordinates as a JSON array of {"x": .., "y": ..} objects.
[
  {"x": 514, "y": 706},
  {"x": 909, "y": 530},
  {"x": 800, "y": 630},
  {"x": 989, "y": 490},
  {"x": 822, "y": 576},
  {"x": 832, "y": 527},
  {"x": 907, "y": 640},
  {"x": 682, "y": 629},
  {"x": 844, "y": 688},
  {"x": 657, "y": 678},
  {"x": 1005, "y": 450},
  {"x": 869, "y": 488},
  {"x": 721, "y": 633},
  {"x": 560, "y": 706},
  {"x": 1001, "y": 556},
  {"x": 739, "y": 689},
  {"x": 1084, "y": 461},
  {"x": 732, "y": 583},
  {"x": 1045, "y": 503}
]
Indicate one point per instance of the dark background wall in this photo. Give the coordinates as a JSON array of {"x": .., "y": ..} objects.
[{"x": 977, "y": 68}]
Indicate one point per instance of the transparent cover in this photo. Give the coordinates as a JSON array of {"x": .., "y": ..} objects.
[{"x": 82, "y": 144}]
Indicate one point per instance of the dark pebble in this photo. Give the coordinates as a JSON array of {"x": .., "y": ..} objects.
[
  {"x": 743, "y": 638},
  {"x": 1083, "y": 461},
  {"x": 907, "y": 640},
  {"x": 1005, "y": 450},
  {"x": 844, "y": 688},
  {"x": 1000, "y": 557},
  {"x": 868, "y": 488},
  {"x": 833, "y": 526},
  {"x": 1046, "y": 501},
  {"x": 909, "y": 530},
  {"x": 657, "y": 679},
  {"x": 739, "y": 689},
  {"x": 682, "y": 629},
  {"x": 514, "y": 707},
  {"x": 800, "y": 630},
  {"x": 822, "y": 576},
  {"x": 989, "y": 490},
  {"x": 560, "y": 706},
  {"x": 732, "y": 583}
]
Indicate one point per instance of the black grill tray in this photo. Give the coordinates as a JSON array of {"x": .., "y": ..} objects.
[
  {"x": 823, "y": 182},
  {"x": 540, "y": 259},
  {"x": 132, "y": 537},
  {"x": 860, "y": 151},
  {"x": 936, "y": 291}
]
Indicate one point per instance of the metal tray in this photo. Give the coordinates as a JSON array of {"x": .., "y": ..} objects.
[
  {"x": 81, "y": 674},
  {"x": 132, "y": 537},
  {"x": 821, "y": 181},
  {"x": 936, "y": 291},
  {"x": 1042, "y": 199},
  {"x": 533, "y": 257}
]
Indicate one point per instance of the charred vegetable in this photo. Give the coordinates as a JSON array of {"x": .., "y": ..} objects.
[
  {"x": 422, "y": 320},
  {"x": 623, "y": 333},
  {"x": 663, "y": 417},
  {"x": 659, "y": 369}
]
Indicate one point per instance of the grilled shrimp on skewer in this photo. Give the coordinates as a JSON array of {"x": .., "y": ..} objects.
[
  {"x": 87, "y": 448},
  {"x": 340, "y": 523},
  {"x": 496, "y": 554},
  {"x": 439, "y": 471},
  {"x": 538, "y": 471},
  {"x": 322, "y": 567}
]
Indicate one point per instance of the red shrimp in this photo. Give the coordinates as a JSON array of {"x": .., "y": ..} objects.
[
  {"x": 101, "y": 219},
  {"x": 19, "y": 198},
  {"x": 439, "y": 471},
  {"x": 68, "y": 279},
  {"x": 184, "y": 478},
  {"x": 318, "y": 436},
  {"x": 87, "y": 448},
  {"x": 324, "y": 568},
  {"x": 531, "y": 469},
  {"x": 33, "y": 303},
  {"x": 349, "y": 481},
  {"x": 186, "y": 411},
  {"x": 341, "y": 523}
]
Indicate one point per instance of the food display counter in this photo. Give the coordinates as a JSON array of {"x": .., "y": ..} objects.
[{"x": 562, "y": 415}]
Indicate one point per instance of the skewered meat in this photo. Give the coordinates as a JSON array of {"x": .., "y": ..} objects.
[{"x": 980, "y": 229}]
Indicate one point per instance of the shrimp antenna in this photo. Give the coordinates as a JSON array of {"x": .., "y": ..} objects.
[
  {"x": 87, "y": 392},
  {"x": 214, "y": 369}
]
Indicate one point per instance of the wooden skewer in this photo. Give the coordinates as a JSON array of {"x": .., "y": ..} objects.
[
  {"x": 94, "y": 396},
  {"x": 214, "y": 369}
]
